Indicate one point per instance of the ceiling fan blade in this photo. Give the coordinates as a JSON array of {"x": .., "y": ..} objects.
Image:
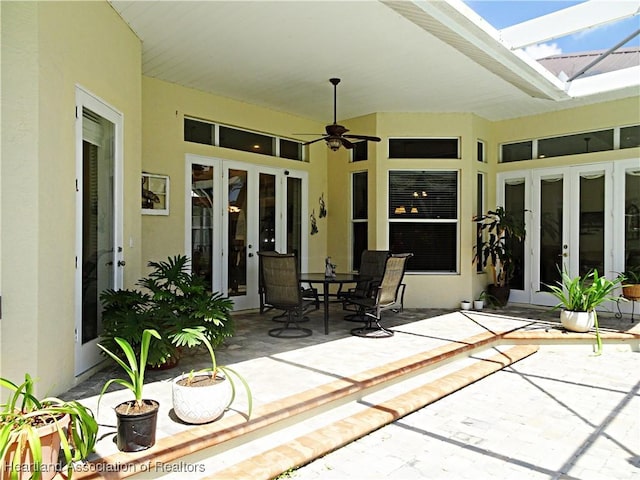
[
  {"x": 346, "y": 143},
  {"x": 314, "y": 141},
  {"x": 364, "y": 137}
]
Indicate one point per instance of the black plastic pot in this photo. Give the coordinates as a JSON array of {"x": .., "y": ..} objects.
[{"x": 137, "y": 431}]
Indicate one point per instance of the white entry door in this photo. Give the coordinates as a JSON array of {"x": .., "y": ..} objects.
[
  {"x": 236, "y": 210},
  {"x": 99, "y": 259},
  {"x": 572, "y": 225}
]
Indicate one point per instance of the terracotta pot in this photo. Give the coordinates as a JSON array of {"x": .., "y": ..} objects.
[
  {"x": 577, "y": 321},
  {"x": 136, "y": 431},
  {"x": 50, "y": 443},
  {"x": 203, "y": 401},
  {"x": 631, "y": 291}
]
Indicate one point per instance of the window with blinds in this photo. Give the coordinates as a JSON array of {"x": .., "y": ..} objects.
[{"x": 423, "y": 218}]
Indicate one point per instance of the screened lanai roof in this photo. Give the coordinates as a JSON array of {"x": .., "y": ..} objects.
[{"x": 392, "y": 56}]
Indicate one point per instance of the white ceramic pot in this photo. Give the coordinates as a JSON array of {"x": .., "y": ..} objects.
[
  {"x": 478, "y": 304},
  {"x": 577, "y": 321},
  {"x": 200, "y": 404},
  {"x": 465, "y": 305}
]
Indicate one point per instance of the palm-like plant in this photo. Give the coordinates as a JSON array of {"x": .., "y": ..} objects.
[
  {"x": 134, "y": 367},
  {"x": 584, "y": 294},
  {"x": 23, "y": 414},
  {"x": 191, "y": 337}
]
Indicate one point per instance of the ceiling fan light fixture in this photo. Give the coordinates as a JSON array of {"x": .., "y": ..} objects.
[{"x": 334, "y": 143}]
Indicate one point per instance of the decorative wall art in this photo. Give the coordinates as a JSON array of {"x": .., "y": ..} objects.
[{"x": 155, "y": 194}]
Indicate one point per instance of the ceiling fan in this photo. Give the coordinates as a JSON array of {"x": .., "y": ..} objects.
[{"x": 337, "y": 134}]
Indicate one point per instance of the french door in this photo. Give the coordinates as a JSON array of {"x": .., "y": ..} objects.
[
  {"x": 99, "y": 256},
  {"x": 235, "y": 210},
  {"x": 576, "y": 220},
  {"x": 573, "y": 227}
]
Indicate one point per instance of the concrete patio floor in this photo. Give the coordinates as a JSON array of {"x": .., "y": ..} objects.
[{"x": 313, "y": 395}]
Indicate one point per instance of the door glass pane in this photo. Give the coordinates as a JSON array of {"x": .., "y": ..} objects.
[
  {"x": 591, "y": 247},
  {"x": 97, "y": 218},
  {"x": 201, "y": 222},
  {"x": 514, "y": 204},
  {"x": 294, "y": 216},
  {"x": 551, "y": 220},
  {"x": 267, "y": 213},
  {"x": 237, "y": 209},
  {"x": 632, "y": 220}
]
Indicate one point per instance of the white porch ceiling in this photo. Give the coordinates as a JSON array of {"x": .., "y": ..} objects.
[{"x": 392, "y": 56}]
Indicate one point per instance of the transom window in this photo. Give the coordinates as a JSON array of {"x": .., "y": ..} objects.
[
  {"x": 574, "y": 144},
  {"x": 424, "y": 148},
  {"x": 208, "y": 133}
]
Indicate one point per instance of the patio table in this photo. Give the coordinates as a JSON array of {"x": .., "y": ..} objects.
[{"x": 339, "y": 279}]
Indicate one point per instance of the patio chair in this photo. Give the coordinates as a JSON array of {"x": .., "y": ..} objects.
[
  {"x": 372, "y": 264},
  {"x": 281, "y": 287},
  {"x": 307, "y": 293},
  {"x": 387, "y": 297}
]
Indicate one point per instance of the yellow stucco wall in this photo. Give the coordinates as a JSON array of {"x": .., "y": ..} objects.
[
  {"x": 47, "y": 49},
  {"x": 164, "y": 107}
]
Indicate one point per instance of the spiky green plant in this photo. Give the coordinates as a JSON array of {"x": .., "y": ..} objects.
[
  {"x": 585, "y": 293},
  {"x": 21, "y": 416},
  {"x": 191, "y": 337},
  {"x": 134, "y": 367}
]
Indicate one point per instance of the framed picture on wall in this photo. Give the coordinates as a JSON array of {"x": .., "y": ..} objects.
[{"x": 155, "y": 194}]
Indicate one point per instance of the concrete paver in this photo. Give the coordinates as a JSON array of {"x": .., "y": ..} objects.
[{"x": 561, "y": 413}]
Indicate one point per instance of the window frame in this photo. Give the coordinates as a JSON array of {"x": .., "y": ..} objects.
[{"x": 456, "y": 221}]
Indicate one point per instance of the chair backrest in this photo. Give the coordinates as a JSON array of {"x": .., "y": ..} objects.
[
  {"x": 281, "y": 279},
  {"x": 372, "y": 263},
  {"x": 395, "y": 267},
  {"x": 261, "y": 255}
]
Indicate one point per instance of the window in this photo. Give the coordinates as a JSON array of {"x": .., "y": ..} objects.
[
  {"x": 246, "y": 141},
  {"x": 208, "y": 133},
  {"x": 423, "y": 218},
  {"x": 574, "y": 144},
  {"x": 360, "y": 217},
  {"x": 480, "y": 151},
  {"x": 360, "y": 151},
  {"x": 513, "y": 152},
  {"x": 630, "y": 136},
  {"x": 424, "y": 148},
  {"x": 198, "y": 132},
  {"x": 479, "y": 213}
]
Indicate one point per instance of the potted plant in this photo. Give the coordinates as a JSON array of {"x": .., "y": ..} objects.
[
  {"x": 137, "y": 419},
  {"x": 478, "y": 303},
  {"x": 201, "y": 397},
  {"x": 33, "y": 432},
  {"x": 579, "y": 296},
  {"x": 465, "y": 305},
  {"x": 171, "y": 299},
  {"x": 497, "y": 250},
  {"x": 631, "y": 283}
]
